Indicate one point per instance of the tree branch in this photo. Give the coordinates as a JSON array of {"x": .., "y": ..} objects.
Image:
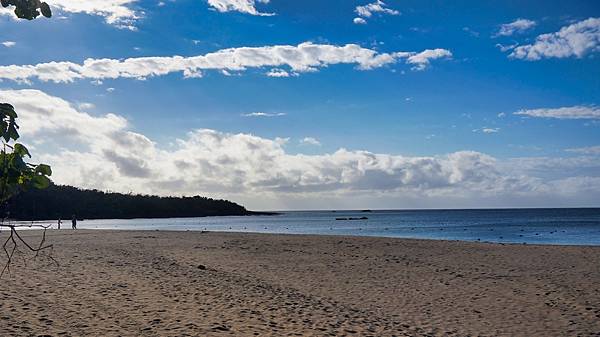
[{"x": 15, "y": 239}]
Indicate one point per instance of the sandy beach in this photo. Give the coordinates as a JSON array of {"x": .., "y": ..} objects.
[{"x": 150, "y": 283}]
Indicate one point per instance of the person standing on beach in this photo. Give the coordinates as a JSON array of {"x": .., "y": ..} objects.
[
  {"x": 59, "y": 222},
  {"x": 74, "y": 222}
]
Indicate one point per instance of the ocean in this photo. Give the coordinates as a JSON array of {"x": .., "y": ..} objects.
[{"x": 564, "y": 226}]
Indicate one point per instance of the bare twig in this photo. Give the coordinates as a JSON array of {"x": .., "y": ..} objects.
[{"x": 15, "y": 239}]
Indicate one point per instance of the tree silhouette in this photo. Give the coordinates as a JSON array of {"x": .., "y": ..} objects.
[
  {"x": 60, "y": 202},
  {"x": 28, "y": 9}
]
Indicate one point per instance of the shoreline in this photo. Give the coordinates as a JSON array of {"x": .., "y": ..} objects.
[
  {"x": 173, "y": 283},
  {"x": 247, "y": 214},
  {"x": 558, "y": 227},
  {"x": 203, "y": 231}
]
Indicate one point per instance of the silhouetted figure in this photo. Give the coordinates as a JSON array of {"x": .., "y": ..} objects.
[
  {"x": 59, "y": 222},
  {"x": 74, "y": 222}
]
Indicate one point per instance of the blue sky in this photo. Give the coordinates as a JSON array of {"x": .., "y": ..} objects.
[{"x": 462, "y": 104}]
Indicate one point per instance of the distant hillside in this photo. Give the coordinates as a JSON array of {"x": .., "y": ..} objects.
[{"x": 64, "y": 201}]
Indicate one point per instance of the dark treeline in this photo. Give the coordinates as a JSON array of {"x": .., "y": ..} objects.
[{"x": 64, "y": 201}]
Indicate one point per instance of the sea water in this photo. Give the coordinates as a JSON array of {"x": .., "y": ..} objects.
[{"x": 566, "y": 226}]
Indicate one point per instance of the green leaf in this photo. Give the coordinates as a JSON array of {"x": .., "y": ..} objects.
[
  {"x": 40, "y": 182},
  {"x": 45, "y": 9},
  {"x": 15, "y": 173},
  {"x": 43, "y": 169},
  {"x": 12, "y": 130},
  {"x": 21, "y": 150},
  {"x": 7, "y": 110}
]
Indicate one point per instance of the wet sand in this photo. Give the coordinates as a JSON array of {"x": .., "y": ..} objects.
[{"x": 148, "y": 283}]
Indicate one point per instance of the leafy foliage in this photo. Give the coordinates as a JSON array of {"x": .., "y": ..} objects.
[
  {"x": 63, "y": 201},
  {"x": 28, "y": 9},
  {"x": 15, "y": 173}
]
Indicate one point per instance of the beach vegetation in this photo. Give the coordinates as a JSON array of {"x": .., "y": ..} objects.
[
  {"x": 16, "y": 174},
  {"x": 59, "y": 201}
]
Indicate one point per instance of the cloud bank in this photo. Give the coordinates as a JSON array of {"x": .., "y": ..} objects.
[
  {"x": 573, "y": 112},
  {"x": 102, "y": 151},
  {"x": 242, "y": 6},
  {"x": 305, "y": 57},
  {"x": 592, "y": 150},
  {"x": 575, "y": 40}
]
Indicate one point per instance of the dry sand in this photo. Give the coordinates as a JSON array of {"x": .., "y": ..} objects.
[{"x": 150, "y": 283}]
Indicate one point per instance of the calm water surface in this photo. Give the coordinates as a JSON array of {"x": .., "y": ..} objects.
[{"x": 532, "y": 226}]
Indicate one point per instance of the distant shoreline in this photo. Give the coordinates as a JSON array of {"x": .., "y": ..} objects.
[
  {"x": 249, "y": 213},
  {"x": 64, "y": 202}
]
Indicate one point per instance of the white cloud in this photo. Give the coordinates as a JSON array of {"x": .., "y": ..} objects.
[
  {"x": 264, "y": 114},
  {"x": 306, "y": 57},
  {"x": 310, "y": 141},
  {"x": 517, "y": 26},
  {"x": 102, "y": 151},
  {"x": 40, "y": 112},
  {"x": 423, "y": 59},
  {"x": 9, "y": 44},
  {"x": 279, "y": 73},
  {"x": 504, "y": 48},
  {"x": 86, "y": 106},
  {"x": 378, "y": 6},
  {"x": 573, "y": 112},
  {"x": 118, "y": 13},
  {"x": 592, "y": 150},
  {"x": 575, "y": 186},
  {"x": 470, "y": 31},
  {"x": 487, "y": 130},
  {"x": 359, "y": 21},
  {"x": 243, "y": 6},
  {"x": 575, "y": 40}
]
